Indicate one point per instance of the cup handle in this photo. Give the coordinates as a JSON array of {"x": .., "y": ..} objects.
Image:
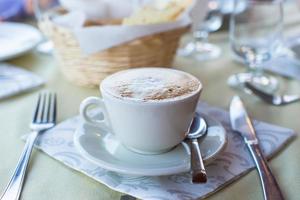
[{"x": 98, "y": 102}]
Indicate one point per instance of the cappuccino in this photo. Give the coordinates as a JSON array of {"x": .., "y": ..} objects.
[
  {"x": 149, "y": 110},
  {"x": 151, "y": 84}
]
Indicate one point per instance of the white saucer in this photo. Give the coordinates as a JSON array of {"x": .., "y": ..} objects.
[
  {"x": 16, "y": 39},
  {"x": 105, "y": 151}
]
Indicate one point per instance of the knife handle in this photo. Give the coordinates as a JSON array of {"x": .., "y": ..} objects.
[{"x": 269, "y": 184}]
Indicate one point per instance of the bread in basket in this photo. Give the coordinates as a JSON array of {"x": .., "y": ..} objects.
[{"x": 156, "y": 50}]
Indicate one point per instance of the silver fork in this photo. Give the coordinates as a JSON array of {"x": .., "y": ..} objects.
[
  {"x": 277, "y": 100},
  {"x": 44, "y": 118}
]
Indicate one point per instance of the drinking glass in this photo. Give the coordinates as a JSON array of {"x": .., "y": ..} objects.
[
  {"x": 200, "y": 49},
  {"x": 41, "y": 7},
  {"x": 255, "y": 37}
]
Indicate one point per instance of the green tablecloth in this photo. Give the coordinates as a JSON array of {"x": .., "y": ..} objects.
[{"x": 49, "y": 179}]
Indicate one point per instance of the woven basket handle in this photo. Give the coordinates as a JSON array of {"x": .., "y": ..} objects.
[{"x": 99, "y": 103}]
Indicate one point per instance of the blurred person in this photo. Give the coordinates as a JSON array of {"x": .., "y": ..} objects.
[{"x": 13, "y": 10}]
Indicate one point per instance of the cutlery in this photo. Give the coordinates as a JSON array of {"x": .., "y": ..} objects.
[
  {"x": 127, "y": 197},
  {"x": 197, "y": 130},
  {"x": 272, "y": 99},
  {"x": 241, "y": 123},
  {"x": 44, "y": 118}
]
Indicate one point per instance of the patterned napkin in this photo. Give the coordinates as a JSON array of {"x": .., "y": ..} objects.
[
  {"x": 229, "y": 165},
  {"x": 14, "y": 80},
  {"x": 285, "y": 66}
]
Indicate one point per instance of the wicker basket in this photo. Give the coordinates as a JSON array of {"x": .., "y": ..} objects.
[{"x": 157, "y": 50}]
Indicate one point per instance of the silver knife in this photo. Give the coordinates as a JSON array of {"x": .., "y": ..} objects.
[{"x": 241, "y": 123}]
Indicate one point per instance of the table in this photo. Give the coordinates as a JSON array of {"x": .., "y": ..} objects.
[{"x": 48, "y": 179}]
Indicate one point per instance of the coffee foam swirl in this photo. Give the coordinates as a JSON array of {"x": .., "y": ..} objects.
[{"x": 151, "y": 84}]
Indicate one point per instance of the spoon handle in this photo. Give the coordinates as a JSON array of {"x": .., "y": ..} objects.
[{"x": 197, "y": 166}]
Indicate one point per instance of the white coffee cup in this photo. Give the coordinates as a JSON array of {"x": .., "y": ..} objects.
[{"x": 148, "y": 127}]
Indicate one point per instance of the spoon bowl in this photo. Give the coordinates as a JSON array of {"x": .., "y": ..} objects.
[{"x": 198, "y": 129}]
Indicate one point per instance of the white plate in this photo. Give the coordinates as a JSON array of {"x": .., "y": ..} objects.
[
  {"x": 105, "y": 151},
  {"x": 16, "y": 39}
]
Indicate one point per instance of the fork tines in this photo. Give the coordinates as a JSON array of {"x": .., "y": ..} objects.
[{"x": 45, "y": 111}]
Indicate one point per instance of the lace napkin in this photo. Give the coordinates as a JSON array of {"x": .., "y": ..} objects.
[
  {"x": 229, "y": 165},
  {"x": 14, "y": 80},
  {"x": 285, "y": 66}
]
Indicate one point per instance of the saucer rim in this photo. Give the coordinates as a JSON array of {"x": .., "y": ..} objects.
[
  {"x": 129, "y": 171},
  {"x": 182, "y": 168}
]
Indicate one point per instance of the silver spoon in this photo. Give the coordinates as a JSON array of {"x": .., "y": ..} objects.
[
  {"x": 272, "y": 99},
  {"x": 197, "y": 130}
]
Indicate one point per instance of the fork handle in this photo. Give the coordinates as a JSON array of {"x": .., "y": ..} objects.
[
  {"x": 270, "y": 186},
  {"x": 14, "y": 187}
]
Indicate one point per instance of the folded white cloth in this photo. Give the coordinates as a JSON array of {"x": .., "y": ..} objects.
[
  {"x": 232, "y": 163},
  {"x": 95, "y": 9},
  {"x": 14, "y": 80}
]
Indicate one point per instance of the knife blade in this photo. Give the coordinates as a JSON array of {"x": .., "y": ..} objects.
[{"x": 241, "y": 123}]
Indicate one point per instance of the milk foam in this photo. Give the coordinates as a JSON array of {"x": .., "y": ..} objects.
[{"x": 151, "y": 84}]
